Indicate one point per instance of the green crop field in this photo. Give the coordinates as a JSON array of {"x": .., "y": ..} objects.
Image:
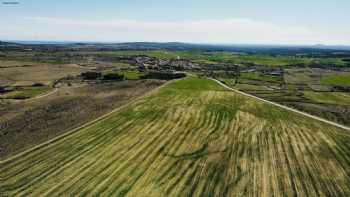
[
  {"x": 341, "y": 79},
  {"x": 131, "y": 75},
  {"x": 336, "y": 98},
  {"x": 190, "y": 138},
  {"x": 25, "y": 93},
  {"x": 260, "y": 77}
]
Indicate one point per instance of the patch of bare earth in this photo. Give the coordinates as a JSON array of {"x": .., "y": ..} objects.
[{"x": 27, "y": 123}]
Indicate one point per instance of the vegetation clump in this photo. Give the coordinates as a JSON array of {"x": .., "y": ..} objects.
[
  {"x": 164, "y": 75},
  {"x": 113, "y": 77},
  {"x": 90, "y": 75},
  {"x": 38, "y": 85},
  {"x": 2, "y": 89}
]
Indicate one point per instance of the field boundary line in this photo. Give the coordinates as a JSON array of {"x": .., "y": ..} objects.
[
  {"x": 283, "y": 106},
  {"x": 86, "y": 125},
  {"x": 44, "y": 95}
]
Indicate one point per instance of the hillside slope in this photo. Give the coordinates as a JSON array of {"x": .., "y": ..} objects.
[{"x": 191, "y": 138}]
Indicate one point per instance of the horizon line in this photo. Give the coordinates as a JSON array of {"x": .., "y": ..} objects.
[{"x": 180, "y": 42}]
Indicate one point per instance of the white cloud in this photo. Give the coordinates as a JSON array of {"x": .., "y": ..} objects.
[{"x": 200, "y": 31}]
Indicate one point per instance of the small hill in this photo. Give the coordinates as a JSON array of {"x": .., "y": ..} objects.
[{"x": 191, "y": 138}]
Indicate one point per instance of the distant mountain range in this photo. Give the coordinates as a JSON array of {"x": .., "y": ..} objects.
[
  {"x": 334, "y": 47},
  {"x": 176, "y": 46}
]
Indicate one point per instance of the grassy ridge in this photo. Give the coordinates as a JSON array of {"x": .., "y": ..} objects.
[{"x": 192, "y": 138}]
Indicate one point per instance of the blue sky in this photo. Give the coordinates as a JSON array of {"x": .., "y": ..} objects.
[{"x": 198, "y": 21}]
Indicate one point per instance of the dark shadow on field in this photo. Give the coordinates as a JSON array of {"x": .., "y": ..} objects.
[{"x": 202, "y": 152}]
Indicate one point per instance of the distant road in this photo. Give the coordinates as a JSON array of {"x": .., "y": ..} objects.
[
  {"x": 284, "y": 107},
  {"x": 44, "y": 95}
]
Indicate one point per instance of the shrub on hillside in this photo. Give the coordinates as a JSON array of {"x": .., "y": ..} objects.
[
  {"x": 91, "y": 75},
  {"x": 38, "y": 85},
  {"x": 164, "y": 75},
  {"x": 19, "y": 97},
  {"x": 2, "y": 89},
  {"x": 113, "y": 76}
]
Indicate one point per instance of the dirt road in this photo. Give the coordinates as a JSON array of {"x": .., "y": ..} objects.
[
  {"x": 44, "y": 95},
  {"x": 285, "y": 107}
]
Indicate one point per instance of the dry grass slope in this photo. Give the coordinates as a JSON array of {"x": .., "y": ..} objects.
[{"x": 192, "y": 138}]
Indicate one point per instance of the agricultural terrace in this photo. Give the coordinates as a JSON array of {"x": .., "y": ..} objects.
[{"x": 190, "y": 138}]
